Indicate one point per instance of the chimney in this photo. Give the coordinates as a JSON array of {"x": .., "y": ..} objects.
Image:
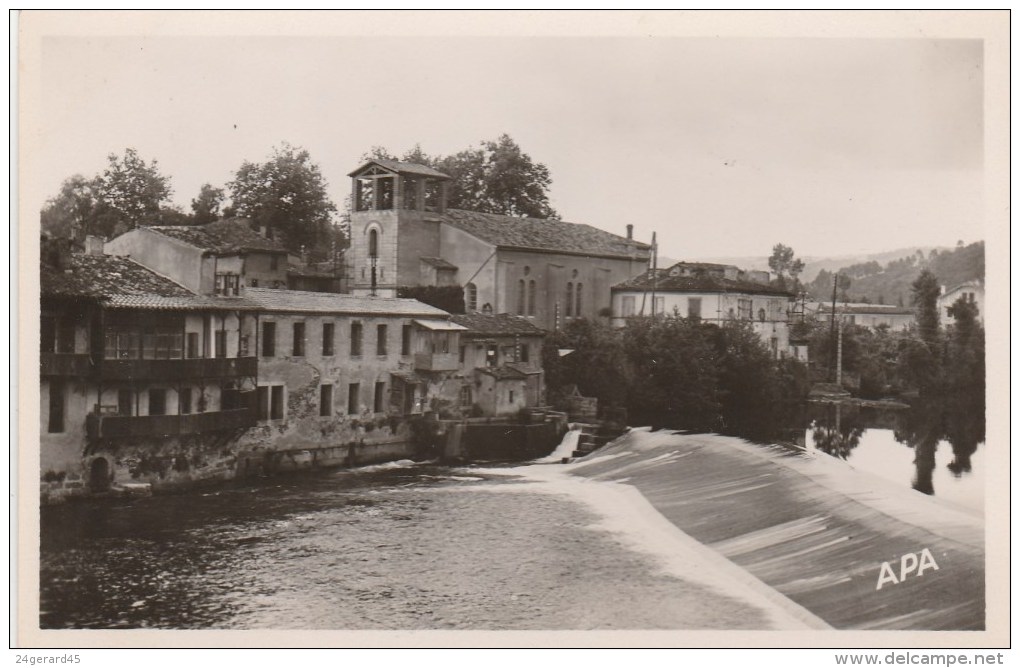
[
  {"x": 630, "y": 232},
  {"x": 93, "y": 245}
]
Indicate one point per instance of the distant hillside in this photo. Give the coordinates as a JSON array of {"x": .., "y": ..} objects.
[
  {"x": 815, "y": 264},
  {"x": 871, "y": 281}
]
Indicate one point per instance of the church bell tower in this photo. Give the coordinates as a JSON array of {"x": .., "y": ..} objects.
[{"x": 396, "y": 209}]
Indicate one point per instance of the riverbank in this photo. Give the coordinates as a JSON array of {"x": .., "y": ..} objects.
[{"x": 809, "y": 527}]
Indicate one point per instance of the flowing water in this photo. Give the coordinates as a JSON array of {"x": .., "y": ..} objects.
[{"x": 414, "y": 547}]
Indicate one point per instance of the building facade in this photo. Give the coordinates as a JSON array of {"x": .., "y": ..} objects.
[
  {"x": 971, "y": 291},
  {"x": 548, "y": 271},
  {"x": 711, "y": 293},
  {"x": 872, "y": 316}
]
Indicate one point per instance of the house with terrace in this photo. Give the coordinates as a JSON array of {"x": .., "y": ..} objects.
[
  {"x": 141, "y": 380},
  {"x": 712, "y": 293}
]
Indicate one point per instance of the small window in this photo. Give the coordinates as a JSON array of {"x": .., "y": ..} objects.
[
  {"x": 405, "y": 340},
  {"x": 380, "y": 394},
  {"x": 276, "y": 402},
  {"x": 525, "y": 353},
  {"x": 463, "y": 354},
  {"x": 353, "y": 398},
  {"x": 660, "y": 305},
  {"x": 355, "y": 339},
  {"x": 220, "y": 337},
  {"x": 192, "y": 344},
  {"x": 262, "y": 401},
  {"x": 577, "y": 300},
  {"x": 465, "y": 395},
  {"x": 325, "y": 400},
  {"x": 253, "y": 282},
  {"x": 242, "y": 346},
  {"x": 269, "y": 339},
  {"x": 471, "y": 297},
  {"x": 380, "y": 340},
  {"x": 157, "y": 401},
  {"x": 373, "y": 243},
  {"x": 570, "y": 300},
  {"x": 184, "y": 400},
  {"x": 56, "y": 418},
  {"x": 627, "y": 307},
  {"x": 274, "y": 264},
  {"x": 490, "y": 356},
  {"x": 327, "y": 339},
  {"x": 511, "y": 396},
  {"x": 520, "y": 297},
  {"x": 531, "y": 297},
  {"x": 761, "y": 315},
  {"x": 694, "y": 307},
  {"x": 299, "y": 339}
]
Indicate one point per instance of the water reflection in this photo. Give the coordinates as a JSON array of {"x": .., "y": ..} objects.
[{"x": 868, "y": 438}]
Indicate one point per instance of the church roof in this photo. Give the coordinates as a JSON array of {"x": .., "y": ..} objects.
[{"x": 545, "y": 235}]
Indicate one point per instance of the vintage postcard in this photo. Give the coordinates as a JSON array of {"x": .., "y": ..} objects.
[{"x": 644, "y": 329}]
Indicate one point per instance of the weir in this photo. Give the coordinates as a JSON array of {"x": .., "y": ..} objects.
[{"x": 811, "y": 527}]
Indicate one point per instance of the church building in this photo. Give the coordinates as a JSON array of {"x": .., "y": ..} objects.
[{"x": 548, "y": 271}]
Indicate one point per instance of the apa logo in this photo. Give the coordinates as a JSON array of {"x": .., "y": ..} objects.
[{"x": 909, "y": 563}]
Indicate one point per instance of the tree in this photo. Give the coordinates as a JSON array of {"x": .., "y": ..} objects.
[
  {"x": 783, "y": 263},
  {"x": 286, "y": 194},
  {"x": 133, "y": 191},
  {"x": 206, "y": 207},
  {"x": 72, "y": 213},
  {"x": 924, "y": 296}
]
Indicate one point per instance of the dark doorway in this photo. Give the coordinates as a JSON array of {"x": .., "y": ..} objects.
[{"x": 99, "y": 475}]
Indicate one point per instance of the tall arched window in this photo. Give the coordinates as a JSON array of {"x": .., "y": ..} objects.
[
  {"x": 570, "y": 300},
  {"x": 531, "y": 297},
  {"x": 577, "y": 300},
  {"x": 520, "y": 297},
  {"x": 471, "y": 297},
  {"x": 373, "y": 243}
]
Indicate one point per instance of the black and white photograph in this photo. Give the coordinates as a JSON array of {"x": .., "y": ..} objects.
[{"x": 399, "y": 328}]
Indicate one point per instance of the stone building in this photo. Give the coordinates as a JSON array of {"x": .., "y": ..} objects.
[
  {"x": 713, "y": 293},
  {"x": 500, "y": 365},
  {"x": 341, "y": 376},
  {"x": 971, "y": 291},
  {"x": 548, "y": 271},
  {"x": 140, "y": 379},
  {"x": 223, "y": 257}
]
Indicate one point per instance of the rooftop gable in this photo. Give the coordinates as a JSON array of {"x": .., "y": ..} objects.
[
  {"x": 502, "y": 324},
  {"x": 400, "y": 167},
  {"x": 663, "y": 282}
]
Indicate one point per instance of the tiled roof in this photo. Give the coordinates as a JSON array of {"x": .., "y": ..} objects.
[
  {"x": 505, "y": 324},
  {"x": 667, "y": 283},
  {"x": 869, "y": 309},
  {"x": 188, "y": 303},
  {"x": 403, "y": 168},
  {"x": 544, "y": 235},
  {"x": 439, "y": 263},
  {"x": 223, "y": 237},
  {"x": 104, "y": 276},
  {"x": 300, "y": 301}
]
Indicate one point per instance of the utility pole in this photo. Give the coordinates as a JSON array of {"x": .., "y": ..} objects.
[
  {"x": 655, "y": 273},
  {"x": 832, "y": 324}
]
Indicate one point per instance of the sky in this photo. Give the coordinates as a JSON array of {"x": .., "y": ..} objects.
[{"x": 721, "y": 146}]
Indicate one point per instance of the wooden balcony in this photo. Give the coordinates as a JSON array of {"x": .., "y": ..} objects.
[
  {"x": 158, "y": 426},
  {"x": 64, "y": 364},
  {"x": 178, "y": 369},
  {"x": 436, "y": 361}
]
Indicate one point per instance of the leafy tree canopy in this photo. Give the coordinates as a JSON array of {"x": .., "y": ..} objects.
[
  {"x": 206, "y": 207},
  {"x": 783, "y": 263},
  {"x": 287, "y": 194}
]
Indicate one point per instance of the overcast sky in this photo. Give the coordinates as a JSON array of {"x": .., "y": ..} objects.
[{"x": 722, "y": 146}]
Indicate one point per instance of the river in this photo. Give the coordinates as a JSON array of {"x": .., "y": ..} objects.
[{"x": 389, "y": 547}]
